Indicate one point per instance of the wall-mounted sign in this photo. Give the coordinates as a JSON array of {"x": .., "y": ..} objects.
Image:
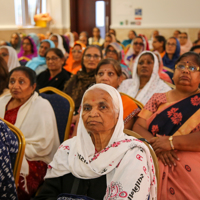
[{"x": 138, "y": 11}]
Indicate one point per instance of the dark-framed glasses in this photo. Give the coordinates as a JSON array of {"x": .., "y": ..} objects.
[
  {"x": 53, "y": 59},
  {"x": 89, "y": 56}
]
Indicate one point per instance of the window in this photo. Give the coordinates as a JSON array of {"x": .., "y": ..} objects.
[
  {"x": 100, "y": 16},
  {"x": 26, "y": 9}
]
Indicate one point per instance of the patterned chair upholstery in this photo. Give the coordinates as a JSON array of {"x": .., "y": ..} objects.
[
  {"x": 16, "y": 158},
  {"x": 63, "y": 107}
]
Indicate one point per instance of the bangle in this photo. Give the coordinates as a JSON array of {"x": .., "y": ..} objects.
[{"x": 170, "y": 141}]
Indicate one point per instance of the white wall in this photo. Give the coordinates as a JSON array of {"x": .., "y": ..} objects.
[
  {"x": 7, "y": 15},
  {"x": 156, "y": 13},
  {"x": 60, "y": 12}
]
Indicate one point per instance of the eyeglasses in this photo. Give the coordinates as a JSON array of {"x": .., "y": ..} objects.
[
  {"x": 191, "y": 68},
  {"x": 26, "y": 43},
  {"x": 111, "y": 51},
  {"x": 53, "y": 59},
  {"x": 171, "y": 44},
  {"x": 182, "y": 37},
  {"x": 76, "y": 51},
  {"x": 138, "y": 43},
  {"x": 4, "y": 54},
  {"x": 89, "y": 56}
]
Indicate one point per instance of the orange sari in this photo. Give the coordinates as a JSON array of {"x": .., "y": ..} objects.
[
  {"x": 130, "y": 108},
  {"x": 180, "y": 182}
]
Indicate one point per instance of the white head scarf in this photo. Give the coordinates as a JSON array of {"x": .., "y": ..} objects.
[
  {"x": 117, "y": 160},
  {"x": 154, "y": 85},
  {"x": 60, "y": 42},
  {"x": 13, "y": 59},
  {"x": 71, "y": 39}
]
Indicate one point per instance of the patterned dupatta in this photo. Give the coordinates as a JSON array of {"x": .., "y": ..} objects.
[{"x": 178, "y": 119}]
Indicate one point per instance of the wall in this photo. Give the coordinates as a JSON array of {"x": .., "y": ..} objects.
[
  {"x": 165, "y": 16},
  {"x": 58, "y": 9}
]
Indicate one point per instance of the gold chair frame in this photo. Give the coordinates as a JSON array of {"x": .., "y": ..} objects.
[
  {"x": 155, "y": 159},
  {"x": 72, "y": 106},
  {"x": 21, "y": 150},
  {"x": 141, "y": 106}
]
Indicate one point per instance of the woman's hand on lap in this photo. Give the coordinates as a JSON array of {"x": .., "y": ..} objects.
[{"x": 168, "y": 157}]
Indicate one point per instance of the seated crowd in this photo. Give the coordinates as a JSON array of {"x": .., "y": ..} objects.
[{"x": 149, "y": 87}]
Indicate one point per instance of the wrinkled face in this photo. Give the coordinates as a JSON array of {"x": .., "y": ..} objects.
[
  {"x": 145, "y": 66},
  {"x": 138, "y": 45},
  {"x": 186, "y": 79},
  {"x": 108, "y": 75},
  {"x": 171, "y": 46},
  {"x": 156, "y": 44},
  {"x": 19, "y": 85},
  {"x": 55, "y": 40},
  {"x": 54, "y": 63},
  {"x": 108, "y": 40},
  {"x": 182, "y": 39},
  {"x": 176, "y": 34},
  {"x": 14, "y": 39},
  {"x": 44, "y": 46},
  {"x": 26, "y": 45},
  {"x": 112, "y": 53},
  {"x": 96, "y": 32},
  {"x": 91, "y": 58},
  {"x": 4, "y": 53},
  {"x": 77, "y": 53},
  {"x": 83, "y": 39},
  {"x": 131, "y": 35},
  {"x": 98, "y": 113}
]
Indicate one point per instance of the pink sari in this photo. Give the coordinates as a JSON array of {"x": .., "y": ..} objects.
[{"x": 180, "y": 182}]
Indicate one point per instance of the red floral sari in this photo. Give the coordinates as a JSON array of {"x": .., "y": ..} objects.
[{"x": 176, "y": 118}]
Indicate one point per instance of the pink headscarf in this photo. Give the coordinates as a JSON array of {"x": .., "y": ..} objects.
[
  {"x": 164, "y": 76},
  {"x": 34, "y": 49}
]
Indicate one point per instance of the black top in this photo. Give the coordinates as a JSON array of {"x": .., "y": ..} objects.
[
  {"x": 58, "y": 81},
  {"x": 52, "y": 187}
]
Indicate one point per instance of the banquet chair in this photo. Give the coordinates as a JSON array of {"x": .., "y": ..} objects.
[
  {"x": 63, "y": 107},
  {"x": 16, "y": 158},
  {"x": 155, "y": 159},
  {"x": 170, "y": 85},
  {"x": 139, "y": 104}
]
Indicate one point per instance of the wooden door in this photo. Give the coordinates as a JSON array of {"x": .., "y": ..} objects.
[{"x": 82, "y": 14}]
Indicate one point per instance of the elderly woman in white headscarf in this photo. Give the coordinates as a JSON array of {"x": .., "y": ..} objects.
[
  {"x": 145, "y": 78},
  {"x": 58, "y": 41},
  {"x": 101, "y": 160},
  {"x": 10, "y": 56}
]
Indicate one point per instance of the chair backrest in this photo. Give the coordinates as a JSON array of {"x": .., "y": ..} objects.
[
  {"x": 63, "y": 107},
  {"x": 170, "y": 85},
  {"x": 16, "y": 158},
  {"x": 155, "y": 159},
  {"x": 139, "y": 104}
]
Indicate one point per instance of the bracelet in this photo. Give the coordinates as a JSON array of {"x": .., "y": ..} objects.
[{"x": 170, "y": 141}]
